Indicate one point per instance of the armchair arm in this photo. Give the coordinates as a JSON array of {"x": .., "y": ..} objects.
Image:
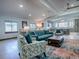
[
  {"x": 33, "y": 49},
  {"x": 50, "y": 32},
  {"x": 35, "y": 36}
]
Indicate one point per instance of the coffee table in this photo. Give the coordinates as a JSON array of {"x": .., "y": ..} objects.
[{"x": 55, "y": 41}]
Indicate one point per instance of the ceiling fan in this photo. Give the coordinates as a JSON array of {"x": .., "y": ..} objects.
[{"x": 73, "y": 5}]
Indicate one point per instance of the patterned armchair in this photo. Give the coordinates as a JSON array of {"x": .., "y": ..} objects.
[{"x": 27, "y": 51}]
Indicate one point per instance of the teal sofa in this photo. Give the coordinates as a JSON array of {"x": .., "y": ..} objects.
[{"x": 41, "y": 35}]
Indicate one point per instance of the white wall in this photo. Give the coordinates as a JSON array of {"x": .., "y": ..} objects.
[{"x": 3, "y": 35}]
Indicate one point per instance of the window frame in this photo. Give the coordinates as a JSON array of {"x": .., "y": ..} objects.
[
  {"x": 33, "y": 26},
  {"x": 63, "y": 25},
  {"x": 11, "y": 27},
  {"x": 69, "y": 24}
]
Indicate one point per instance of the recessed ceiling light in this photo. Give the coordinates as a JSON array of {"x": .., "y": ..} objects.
[
  {"x": 30, "y": 15},
  {"x": 43, "y": 15},
  {"x": 21, "y": 6},
  {"x": 72, "y": 5}
]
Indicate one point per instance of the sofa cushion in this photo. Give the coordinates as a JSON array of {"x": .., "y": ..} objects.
[
  {"x": 42, "y": 32},
  {"x": 36, "y": 33},
  {"x": 49, "y": 35},
  {"x": 31, "y": 33},
  {"x": 39, "y": 33},
  {"x": 47, "y": 32},
  {"x": 28, "y": 38},
  {"x": 44, "y": 36}
]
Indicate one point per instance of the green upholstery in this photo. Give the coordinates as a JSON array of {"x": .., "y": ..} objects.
[
  {"x": 48, "y": 32},
  {"x": 31, "y": 33},
  {"x": 39, "y": 35},
  {"x": 42, "y": 35},
  {"x": 28, "y": 38}
]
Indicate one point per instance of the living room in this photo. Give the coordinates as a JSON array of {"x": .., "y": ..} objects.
[{"x": 39, "y": 29}]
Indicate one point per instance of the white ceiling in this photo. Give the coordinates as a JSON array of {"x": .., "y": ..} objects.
[{"x": 34, "y": 7}]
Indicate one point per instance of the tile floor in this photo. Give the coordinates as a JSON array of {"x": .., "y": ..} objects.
[{"x": 8, "y": 49}]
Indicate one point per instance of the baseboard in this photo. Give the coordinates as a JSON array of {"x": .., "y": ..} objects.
[{"x": 7, "y": 38}]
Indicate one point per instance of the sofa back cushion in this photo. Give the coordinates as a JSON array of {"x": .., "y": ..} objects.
[
  {"x": 39, "y": 33},
  {"x": 28, "y": 38},
  {"x": 36, "y": 33},
  {"x": 46, "y": 31},
  {"x": 32, "y": 33}
]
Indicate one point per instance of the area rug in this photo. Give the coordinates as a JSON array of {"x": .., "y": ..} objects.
[
  {"x": 58, "y": 53},
  {"x": 69, "y": 50}
]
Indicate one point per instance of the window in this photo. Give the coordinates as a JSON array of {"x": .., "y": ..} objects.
[
  {"x": 56, "y": 24},
  {"x": 69, "y": 24},
  {"x": 10, "y": 27},
  {"x": 63, "y": 24},
  {"x": 33, "y": 26},
  {"x": 49, "y": 25}
]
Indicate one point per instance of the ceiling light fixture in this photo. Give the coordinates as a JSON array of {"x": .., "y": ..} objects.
[
  {"x": 30, "y": 15},
  {"x": 21, "y": 6},
  {"x": 44, "y": 15},
  {"x": 72, "y": 5}
]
